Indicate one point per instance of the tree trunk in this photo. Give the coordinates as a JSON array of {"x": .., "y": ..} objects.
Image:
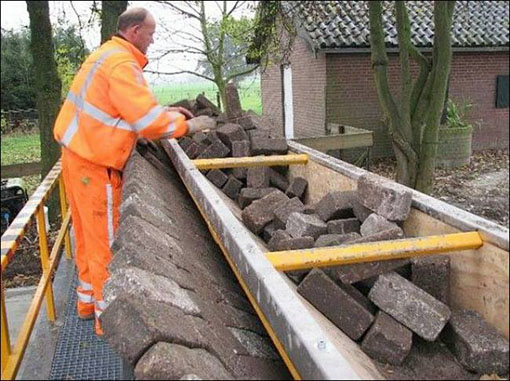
[
  {"x": 110, "y": 12},
  {"x": 47, "y": 87},
  {"x": 444, "y": 113},
  {"x": 443, "y": 15},
  {"x": 223, "y": 95},
  {"x": 414, "y": 120}
]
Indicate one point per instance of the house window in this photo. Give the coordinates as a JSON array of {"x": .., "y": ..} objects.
[{"x": 502, "y": 91}]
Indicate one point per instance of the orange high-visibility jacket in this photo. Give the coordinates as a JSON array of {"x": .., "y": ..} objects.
[{"x": 110, "y": 104}]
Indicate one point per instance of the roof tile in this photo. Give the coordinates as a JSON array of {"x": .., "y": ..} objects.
[{"x": 345, "y": 24}]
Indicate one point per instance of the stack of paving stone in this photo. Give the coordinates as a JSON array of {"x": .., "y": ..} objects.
[
  {"x": 241, "y": 134},
  {"x": 388, "y": 305},
  {"x": 200, "y": 106},
  {"x": 174, "y": 308}
]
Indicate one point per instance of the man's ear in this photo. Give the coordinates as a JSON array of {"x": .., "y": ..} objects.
[{"x": 136, "y": 28}]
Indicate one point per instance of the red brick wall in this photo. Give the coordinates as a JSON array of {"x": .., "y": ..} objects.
[
  {"x": 352, "y": 99},
  {"x": 474, "y": 78},
  {"x": 271, "y": 92},
  {"x": 308, "y": 90}
]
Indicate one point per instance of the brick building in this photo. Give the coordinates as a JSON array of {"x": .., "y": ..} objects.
[{"x": 329, "y": 78}]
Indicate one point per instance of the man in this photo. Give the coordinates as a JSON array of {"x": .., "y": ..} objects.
[{"x": 109, "y": 106}]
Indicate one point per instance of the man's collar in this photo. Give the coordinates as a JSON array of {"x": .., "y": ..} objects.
[{"x": 139, "y": 56}]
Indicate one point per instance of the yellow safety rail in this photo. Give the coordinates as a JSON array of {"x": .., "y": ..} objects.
[
  {"x": 12, "y": 355},
  {"x": 251, "y": 161},
  {"x": 376, "y": 251}
]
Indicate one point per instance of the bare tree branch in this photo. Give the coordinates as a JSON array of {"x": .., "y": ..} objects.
[
  {"x": 232, "y": 76},
  {"x": 187, "y": 50},
  {"x": 179, "y": 10},
  {"x": 82, "y": 44},
  {"x": 179, "y": 72},
  {"x": 192, "y": 7},
  {"x": 218, "y": 5},
  {"x": 238, "y": 4}
]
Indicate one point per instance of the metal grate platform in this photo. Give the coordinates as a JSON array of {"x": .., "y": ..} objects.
[{"x": 79, "y": 353}]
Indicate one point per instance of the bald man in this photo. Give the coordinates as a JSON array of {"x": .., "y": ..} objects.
[{"x": 108, "y": 107}]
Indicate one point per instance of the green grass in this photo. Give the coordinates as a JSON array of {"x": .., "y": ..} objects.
[
  {"x": 20, "y": 148},
  {"x": 249, "y": 92}
]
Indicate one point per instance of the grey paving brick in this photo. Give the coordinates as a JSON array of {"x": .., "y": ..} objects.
[
  {"x": 241, "y": 148},
  {"x": 232, "y": 187},
  {"x": 291, "y": 244},
  {"x": 282, "y": 213},
  {"x": 278, "y": 236},
  {"x": 268, "y": 232},
  {"x": 385, "y": 235},
  {"x": 476, "y": 344},
  {"x": 205, "y": 103},
  {"x": 410, "y": 305},
  {"x": 138, "y": 282},
  {"x": 148, "y": 322},
  {"x": 305, "y": 225},
  {"x": 268, "y": 146},
  {"x": 432, "y": 274},
  {"x": 167, "y": 361},
  {"x": 260, "y": 212},
  {"x": 334, "y": 206},
  {"x": 309, "y": 209},
  {"x": 336, "y": 304},
  {"x": 255, "y": 344},
  {"x": 335, "y": 239},
  {"x": 248, "y": 195},
  {"x": 258, "y": 177},
  {"x": 387, "y": 340},
  {"x": 201, "y": 138},
  {"x": 360, "y": 211},
  {"x": 217, "y": 177},
  {"x": 345, "y": 226},
  {"x": 297, "y": 276},
  {"x": 231, "y": 132},
  {"x": 385, "y": 198},
  {"x": 192, "y": 150},
  {"x": 297, "y": 188},
  {"x": 375, "y": 224},
  {"x": 185, "y": 142},
  {"x": 278, "y": 180},
  {"x": 215, "y": 150},
  {"x": 234, "y": 109}
]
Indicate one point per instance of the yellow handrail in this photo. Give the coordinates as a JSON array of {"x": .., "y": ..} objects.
[
  {"x": 12, "y": 356},
  {"x": 373, "y": 251}
]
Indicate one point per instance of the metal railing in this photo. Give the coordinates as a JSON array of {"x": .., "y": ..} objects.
[{"x": 13, "y": 355}]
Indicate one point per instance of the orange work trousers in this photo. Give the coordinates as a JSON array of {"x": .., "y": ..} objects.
[{"x": 94, "y": 194}]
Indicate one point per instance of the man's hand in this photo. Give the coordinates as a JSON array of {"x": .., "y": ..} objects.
[
  {"x": 182, "y": 110},
  {"x": 201, "y": 123}
]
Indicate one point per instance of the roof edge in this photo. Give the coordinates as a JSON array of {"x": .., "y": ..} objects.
[{"x": 426, "y": 49}]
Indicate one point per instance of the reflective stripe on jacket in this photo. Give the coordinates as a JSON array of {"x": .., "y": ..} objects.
[{"x": 110, "y": 104}]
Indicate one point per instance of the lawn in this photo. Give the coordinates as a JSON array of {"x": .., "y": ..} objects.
[
  {"x": 249, "y": 92},
  {"x": 20, "y": 148}
]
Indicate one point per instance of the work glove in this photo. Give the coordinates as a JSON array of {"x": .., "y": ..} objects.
[
  {"x": 179, "y": 109},
  {"x": 200, "y": 123}
]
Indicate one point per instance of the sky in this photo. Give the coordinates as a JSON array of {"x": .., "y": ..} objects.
[{"x": 14, "y": 15}]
